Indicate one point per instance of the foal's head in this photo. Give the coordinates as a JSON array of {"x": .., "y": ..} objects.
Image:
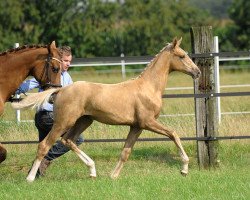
[{"x": 180, "y": 61}]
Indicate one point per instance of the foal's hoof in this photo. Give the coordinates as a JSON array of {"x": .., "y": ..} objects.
[
  {"x": 184, "y": 173},
  {"x": 92, "y": 177},
  {"x": 29, "y": 180}
]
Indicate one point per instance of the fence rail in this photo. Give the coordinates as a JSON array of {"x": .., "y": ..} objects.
[
  {"x": 145, "y": 139},
  {"x": 134, "y": 60}
]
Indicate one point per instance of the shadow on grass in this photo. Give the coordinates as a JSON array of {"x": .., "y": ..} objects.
[
  {"x": 159, "y": 154},
  {"x": 156, "y": 155}
]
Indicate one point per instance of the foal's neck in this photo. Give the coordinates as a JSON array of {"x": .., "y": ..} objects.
[{"x": 156, "y": 73}]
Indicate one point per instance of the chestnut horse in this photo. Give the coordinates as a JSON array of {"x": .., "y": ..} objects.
[
  {"x": 135, "y": 103},
  {"x": 42, "y": 62}
]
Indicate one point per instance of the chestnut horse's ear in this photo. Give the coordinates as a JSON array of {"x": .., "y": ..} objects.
[{"x": 52, "y": 46}]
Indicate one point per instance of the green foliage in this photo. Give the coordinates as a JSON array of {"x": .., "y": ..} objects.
[
  {"x": 108, "y": 28},
  {"x": 240, "y": 32},
  {"x": 217, "y": 8}
]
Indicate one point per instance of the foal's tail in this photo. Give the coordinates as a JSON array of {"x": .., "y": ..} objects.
[{"x": 35, "y": 100}]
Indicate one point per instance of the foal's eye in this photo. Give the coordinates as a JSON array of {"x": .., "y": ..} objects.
[{"x": 182, "y": 56}]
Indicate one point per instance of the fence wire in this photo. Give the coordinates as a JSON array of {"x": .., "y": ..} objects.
[{"x": 145, "y": 139}]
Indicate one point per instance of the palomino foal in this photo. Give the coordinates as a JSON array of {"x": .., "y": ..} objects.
[{"x": 136, "y": 103}]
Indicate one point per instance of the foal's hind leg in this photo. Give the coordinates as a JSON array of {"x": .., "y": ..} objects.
[
  {"x": 43, "y": 149},
  {"x": 84, "y": 157},
  {"x": 133, "y": 135},
  {"x": 155, "y": 126},
  {"x": 81, "y": 124}
]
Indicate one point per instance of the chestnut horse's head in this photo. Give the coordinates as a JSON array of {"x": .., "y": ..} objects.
[
  {"x": 181, "y": 61},
  {"x": 50, "y": 76}
]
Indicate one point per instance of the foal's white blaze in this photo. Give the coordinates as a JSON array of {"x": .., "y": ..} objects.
[{"x": 32, "y": 174}]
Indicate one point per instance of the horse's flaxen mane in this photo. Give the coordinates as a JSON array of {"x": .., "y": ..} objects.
[
  {"x": 23, "y": 48},
  {"x": 151, "y": 63}
]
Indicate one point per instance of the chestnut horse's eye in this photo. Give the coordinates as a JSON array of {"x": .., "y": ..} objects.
[
  {"x": 55, "y": 69},
  {"x": 182, "y": 56}
]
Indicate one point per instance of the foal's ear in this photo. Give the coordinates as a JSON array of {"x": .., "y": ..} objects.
[
  {"x": 179, "y": 41},
  {"x": 176, "y": 42}
]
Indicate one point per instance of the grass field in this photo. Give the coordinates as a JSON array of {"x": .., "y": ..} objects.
[{"x": 152, "y": 171}]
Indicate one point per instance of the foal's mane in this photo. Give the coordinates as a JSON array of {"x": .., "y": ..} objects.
[
  {"x": 24, "y": 47},
  {"x": 152, "y": 62}
]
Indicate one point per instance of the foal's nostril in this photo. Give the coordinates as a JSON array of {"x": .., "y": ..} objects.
[{"x": 197, "y": 74}]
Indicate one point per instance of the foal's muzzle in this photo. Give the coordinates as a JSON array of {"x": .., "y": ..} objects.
[{"x": 196, "y": 74}]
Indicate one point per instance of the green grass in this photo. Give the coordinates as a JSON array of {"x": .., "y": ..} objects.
[{"x": 152, "y": 171}]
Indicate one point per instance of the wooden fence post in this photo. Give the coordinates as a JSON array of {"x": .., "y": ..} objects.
[{"x": 205, "y": 108}]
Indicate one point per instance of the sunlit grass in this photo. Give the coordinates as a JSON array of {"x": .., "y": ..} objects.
[{"x": 152, "y": 172}]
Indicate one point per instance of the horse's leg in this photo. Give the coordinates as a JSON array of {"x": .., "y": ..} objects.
[
  {"x": 84, "y": 157},
  {"x": 81, "y": 124},
  {"x": 133, "y": 135},
  {"x": 3, "y": 151},
  {"x": 1, "y": 107},
  {"x": 155, "y": 126},
  {"x": 43, "y": 149}
]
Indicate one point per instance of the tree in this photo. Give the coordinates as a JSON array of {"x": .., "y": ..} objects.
[
  {"x": 11, "y": 16},
  {"x": 148, "y": 25},
  {"x": 98, "y": 27},
  {"x": 239, "y": 33}
]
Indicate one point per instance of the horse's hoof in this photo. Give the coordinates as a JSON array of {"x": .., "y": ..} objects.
[
  {"x": 92, "y": 177},
  {"x": 29, "y": 180},
  {"x": 184, "y": 173},
  {"x": 114, "y": 177}
]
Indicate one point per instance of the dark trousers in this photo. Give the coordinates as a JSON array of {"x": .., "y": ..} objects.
[{"x": 44, "y": 122}]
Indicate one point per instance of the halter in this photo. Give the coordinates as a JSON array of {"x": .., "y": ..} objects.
[{"x": 46, "y": 72}]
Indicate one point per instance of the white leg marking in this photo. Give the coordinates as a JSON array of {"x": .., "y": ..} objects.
[
  {"x": 117, "y": 170},
  {"x": 185, "y": 161},
  {"x": 32, "y": 174},
  {"x": 84, "y": 157},
  {"x": 88, "y": 161}
]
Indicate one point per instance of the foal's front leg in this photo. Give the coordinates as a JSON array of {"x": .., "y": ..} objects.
[
  {"x": 156, "y": 127},
  {"x": 133, "y": 135}
]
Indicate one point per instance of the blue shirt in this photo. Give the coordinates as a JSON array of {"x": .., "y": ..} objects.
[{"x": 33, "y": 83}]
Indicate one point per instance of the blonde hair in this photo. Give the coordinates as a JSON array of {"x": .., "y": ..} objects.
[{"x": 65, "y": 50}]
